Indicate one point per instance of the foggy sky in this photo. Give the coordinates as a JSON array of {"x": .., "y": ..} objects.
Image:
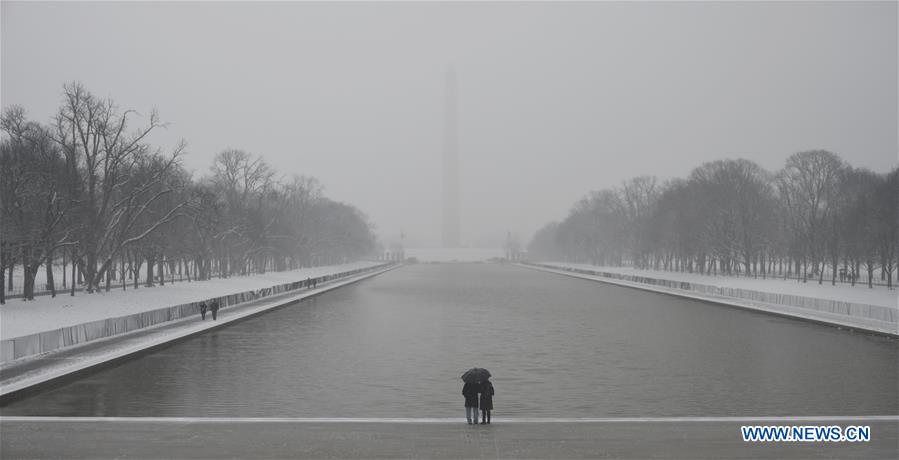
[{"x": 555, "y": 100}]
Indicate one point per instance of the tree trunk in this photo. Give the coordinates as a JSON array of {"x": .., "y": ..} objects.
[
  {"x": 51, "y": 285},
  {"x": 136, "y": 263},
  {"x": 870, "y": 275},
  {"x": 89, "y": 270},
  {"x": 835, "y": 262},
  {"x": 12, "y": 267},
  {"x": 821, "y": 273},
  {"x": 151, "y": 264},
  {"x": 72, "y": 284},
  {"x": 27, "y": 288},
  {"x": 160, "y": 273},
  {"x": 30, "y": 268},
  {"x": 890, "y": 274},
  {"x": 63, "y": 270}
]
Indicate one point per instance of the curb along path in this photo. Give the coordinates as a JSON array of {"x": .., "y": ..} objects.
[{"x": 23, "y": 375}]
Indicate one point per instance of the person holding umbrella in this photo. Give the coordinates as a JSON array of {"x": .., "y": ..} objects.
[{"x": 473, "y": 378}]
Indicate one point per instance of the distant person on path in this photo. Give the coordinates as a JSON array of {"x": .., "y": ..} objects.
[
  {"x": 215, "y": 309},
  {"x": 486, "y": 401},
  {"x": 308, "y": 283},
  {"x": 203, "y": 310},
  {"x": 470, "y": 392}
]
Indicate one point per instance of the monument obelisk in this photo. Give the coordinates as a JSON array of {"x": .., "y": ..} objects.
[{"x": 451, "y": 220}]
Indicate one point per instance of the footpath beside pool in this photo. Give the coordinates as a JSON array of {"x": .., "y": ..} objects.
[
  {"x": 871, "y": 318},
  {"x": 36, "y": 371}
]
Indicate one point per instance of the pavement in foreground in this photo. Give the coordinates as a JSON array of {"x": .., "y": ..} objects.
[{"x": 297, "y": 438}]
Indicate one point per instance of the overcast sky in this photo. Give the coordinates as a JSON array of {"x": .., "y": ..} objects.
[{"x": 555, "y": 100}]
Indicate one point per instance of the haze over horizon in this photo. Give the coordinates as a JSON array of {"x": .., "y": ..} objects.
[{"x": 554, "y": 100}]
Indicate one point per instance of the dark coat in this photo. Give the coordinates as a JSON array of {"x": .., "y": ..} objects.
[
  {"x": 214, "y": 306},
  {"x": 486, "y": 396},
  {"x": 470, "y": 391}
]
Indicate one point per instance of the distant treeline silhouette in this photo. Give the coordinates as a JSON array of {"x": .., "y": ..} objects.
[
  {"x": 818, "y": 215},
  {"x": 88, "y": 191}
]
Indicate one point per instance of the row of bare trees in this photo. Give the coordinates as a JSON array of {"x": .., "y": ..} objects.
[
  {"x": 88, "y": 192},
  {"x": 816, "y": 217}
]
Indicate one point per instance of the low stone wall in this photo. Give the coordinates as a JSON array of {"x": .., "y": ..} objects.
[
  {"x": 875, "y": 312},
  {"x": 42, "y": 342}
]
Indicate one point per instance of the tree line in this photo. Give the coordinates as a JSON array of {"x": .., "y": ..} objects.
[
  {"x": 818, "y": 216},
  {"x": 89, "y": 192}
]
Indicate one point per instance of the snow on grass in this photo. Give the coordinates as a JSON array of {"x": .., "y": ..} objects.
[
  {"x": 45, "y": 313},
  {"x": 861, "y": 294}
]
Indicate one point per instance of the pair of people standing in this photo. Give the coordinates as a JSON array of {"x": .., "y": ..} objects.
[
  {"x": 473, "y": 402},
  {"x": 214, "y": 307}
]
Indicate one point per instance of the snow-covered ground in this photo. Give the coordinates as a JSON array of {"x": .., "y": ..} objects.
[
  {"x": 40, "y": 279},
  {"x": 45, "y": 313},
  {"x": 60, "y": 276},
  {"x": 861, "y": 294}
]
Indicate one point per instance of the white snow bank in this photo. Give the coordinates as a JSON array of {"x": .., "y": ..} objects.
[
  {"x": 860, "y": 294},
  {"x": 45, "y": 313}
]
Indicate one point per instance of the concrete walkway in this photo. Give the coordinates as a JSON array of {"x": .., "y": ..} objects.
[
  {"x": 32, "y": 374},
  {"x": 428, "y": 438}
]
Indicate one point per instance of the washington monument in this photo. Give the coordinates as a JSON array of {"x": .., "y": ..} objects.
[{"x": 451, "y": 223}]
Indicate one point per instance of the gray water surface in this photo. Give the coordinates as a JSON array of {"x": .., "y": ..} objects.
[{"x": 395, "y": 345}]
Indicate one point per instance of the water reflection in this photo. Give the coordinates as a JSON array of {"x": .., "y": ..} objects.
[{"x": 395, "y": 345}]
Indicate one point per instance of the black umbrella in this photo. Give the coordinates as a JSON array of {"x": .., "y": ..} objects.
[{"x": 475, "y": 375}]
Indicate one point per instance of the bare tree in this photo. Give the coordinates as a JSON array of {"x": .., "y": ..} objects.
[
  {"x": 113, "y": 198},
  {"x": 742, "y": 196},
  {"x": 35, "y": 202},
  {"x": 639, "y": 196},
  {"x": 809, "y": 184},
  {"x": 244, "y": 182},
  {"x": 91, "y": 183},
  {"x": 732, "y": 216},
  {"x": 596, "y": 229},
  {"x": 544, "y": 245}
]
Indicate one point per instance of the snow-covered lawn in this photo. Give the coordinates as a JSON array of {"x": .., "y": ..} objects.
[
  {"x": 861, "y": 294},
  {"x": 45, "y": 313}
]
